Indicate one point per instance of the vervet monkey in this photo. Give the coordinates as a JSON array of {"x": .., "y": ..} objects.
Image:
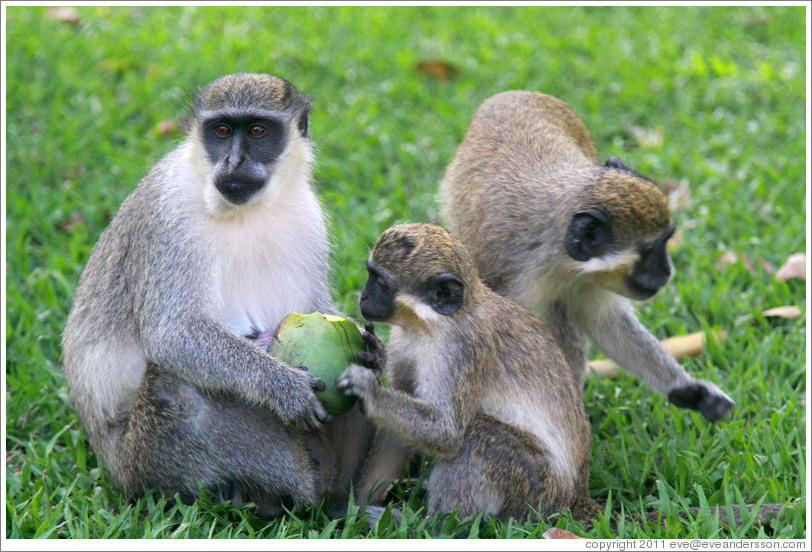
[
  {"x": 473, "y": 379},
  {"x": 221, "y": 240},
  {"x": 567, "y": 237}
]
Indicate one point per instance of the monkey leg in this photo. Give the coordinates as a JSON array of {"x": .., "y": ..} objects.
[
  {"x": 178, "y": 439},
  {"x": 499, "y": 471},
  {"x": 387, "y": 459},
  {"x": 350, "y": 437}
]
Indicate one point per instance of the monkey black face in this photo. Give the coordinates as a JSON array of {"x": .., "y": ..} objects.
[
  {"x": 244, "y": 147},
  {"x": 590, "y": 236},
  {"x": 652, "y": 269},
  {"x": 378, "y": 296},
  {"x": 444, "y": 293}
]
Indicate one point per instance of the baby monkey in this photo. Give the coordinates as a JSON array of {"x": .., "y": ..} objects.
[{"x": 473, "y": 379}]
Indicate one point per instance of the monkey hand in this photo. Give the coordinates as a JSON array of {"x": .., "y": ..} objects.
[
  {"x": 374, "y": 354},
  {"x": 359, "y": 381},
  {"x": 703, "y": 396},
  {"x": 298, "y": 404}
]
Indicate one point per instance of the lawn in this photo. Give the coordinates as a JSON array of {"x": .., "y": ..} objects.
[{"x": 711, "y": 100}]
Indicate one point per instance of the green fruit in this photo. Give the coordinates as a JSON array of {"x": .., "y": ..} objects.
[{"x": 325, "y": 345}]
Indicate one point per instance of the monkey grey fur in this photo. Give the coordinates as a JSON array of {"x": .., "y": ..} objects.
[
  {"x": 473, "y": 379},
  {"x": 220, "y": 241},
  {"x": 567, "y": 237}
]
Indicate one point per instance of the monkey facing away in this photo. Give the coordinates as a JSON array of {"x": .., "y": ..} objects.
[
  {"x": 473, "y": 379},
  {"x": 569, "y": 238},
  {"x": 220, "y": 241}
]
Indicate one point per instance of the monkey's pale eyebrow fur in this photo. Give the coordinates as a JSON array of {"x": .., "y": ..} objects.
[{"x": 243, "y": 113}]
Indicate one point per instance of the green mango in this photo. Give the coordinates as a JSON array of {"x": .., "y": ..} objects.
[{"x": 325, "y": 345}]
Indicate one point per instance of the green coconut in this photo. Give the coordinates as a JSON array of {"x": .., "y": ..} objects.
[{"x": 325, "y": 345}]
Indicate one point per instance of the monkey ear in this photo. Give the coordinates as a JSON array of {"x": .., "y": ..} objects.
[
  {"x": 615, "y": 163},
  {"x": 302, "y": 124},
  {"x": 446, "y": 293},
  {"x": 301, "y": 107},
  {"x": 588, "y": 236}
]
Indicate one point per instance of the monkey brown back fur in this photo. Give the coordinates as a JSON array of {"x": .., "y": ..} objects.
[{"x": 567, "y": 237}]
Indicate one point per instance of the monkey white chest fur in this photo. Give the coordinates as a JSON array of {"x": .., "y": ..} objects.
[{"x": 260, "y": 253}]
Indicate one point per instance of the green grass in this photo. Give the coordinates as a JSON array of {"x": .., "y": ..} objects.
[{"x": 724, "y": 85}]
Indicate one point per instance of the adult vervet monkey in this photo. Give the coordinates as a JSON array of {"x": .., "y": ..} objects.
[{"x": 221, "y": 239}]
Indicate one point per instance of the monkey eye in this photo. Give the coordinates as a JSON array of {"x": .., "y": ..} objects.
[
  {"x": 222, "y": 130},
  {"x": 255, "y": 131}
]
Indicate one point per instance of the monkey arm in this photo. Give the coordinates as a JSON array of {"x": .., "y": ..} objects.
[
  {"x": 212, "y": 358},
  {"x": 618, "y": 333},
  {"x": 435, "y": 427}
]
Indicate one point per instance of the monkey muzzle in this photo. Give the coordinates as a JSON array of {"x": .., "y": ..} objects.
[{"x": 238, "y": 190}]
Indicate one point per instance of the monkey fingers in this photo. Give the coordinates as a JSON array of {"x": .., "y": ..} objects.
[
  {"x": 301, "y": 407},
  {"x": 356, "y": 380},
  {"x": 374, "y": 355},
  {"x": 316, "y": 383}
]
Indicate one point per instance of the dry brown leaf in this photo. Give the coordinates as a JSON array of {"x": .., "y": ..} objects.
[
  {"x": 646, "y": 137},
  {"x": 790, "y": 312},
  {"x": 678, "y": 193},
  {"x": 678, "y": 346},
  {"x": 794, "y": 267},
  {"x": 438, "y": 69},
  {"x": 64, "y": 15},
  {"x": 726, "y": 259},
  {"x": 73, "y": 221},
  {"x": 768, "y": 268},
  {"x": 112, "y": 64},
  {"x": 556, "y": 533},
  {"x": 729, "y": 258},
  {"x": 604, "y": 367},
  {"x": 167, "y": 127},
  {"x": 675, "y": 240}
]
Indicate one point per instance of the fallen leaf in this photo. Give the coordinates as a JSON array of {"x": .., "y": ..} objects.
[
  {"x": 64, "y": 15},
  {"x": 678, "y": 193},
  {"x": 678, "y": 346},
  {"x": 113, "y": 65},
  {"x": 768, "y": 268},
  {"x": 794, "y": 267},
  {"x": 689, "y": 345},
  {"x": 604, "y": 367},
  {"x": 675, "y": 240},
  {"x": 438, "y": 69},
  {"x": 729, "y": 258},
  {"x": 726, "y": 259},
  {"x": 167, "y": 127},
  {"x": 556, "y": 533},
  {"x": 646, "y": 137},
  {"x": 760, "y": 18},
  {"x": 790, "y": 312},
  {"x": 73, "y": 221}
]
